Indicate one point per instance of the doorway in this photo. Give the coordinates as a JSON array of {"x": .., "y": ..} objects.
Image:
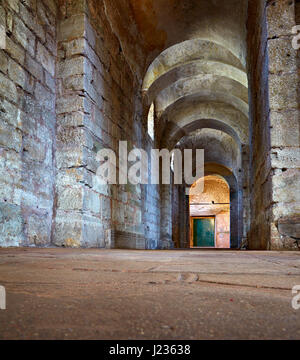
[
  {"x": 203, "y": 232},
  {"x": 209, "y": 211}
]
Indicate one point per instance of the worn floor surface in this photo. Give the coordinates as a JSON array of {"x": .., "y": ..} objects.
[{"x": 120, "y": 294}]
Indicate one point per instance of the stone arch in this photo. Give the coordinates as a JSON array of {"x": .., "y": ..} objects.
[
  {"x": 213, "y": 199},
  {"x": 193, "y": 68},
  {"x": 183, "y": 114},
  {"x": 185, "y": 52},
  {"x": 176, "y": 132},
  {"x": 236, "y": 200},
  {"x": 205, "y": 87},
  {"x": 228, "y": 166}
]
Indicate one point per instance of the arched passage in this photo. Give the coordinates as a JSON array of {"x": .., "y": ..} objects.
[
  {"x": 182, "y": 212},
  {"x": 199, "y": 89},
  {"x": 223, "y": 157},
  {"x": 210, "y": 213}
]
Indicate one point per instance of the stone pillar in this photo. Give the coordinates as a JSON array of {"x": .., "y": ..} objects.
[
  {"x": 180, "y": 217},
  {"x": 284, "y": 125},
  {"x": 186, "y": 235},
  {"x": 234, "y": 218},
  {"x": 83, "y": 212},
  {"x": 98, "y": 105},
  {"x": 166, "y": 217},
  {"x": 260, "y": 189},
  {"x": 245, "y": 197}
]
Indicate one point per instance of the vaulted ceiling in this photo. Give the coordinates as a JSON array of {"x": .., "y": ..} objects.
[{"x": 190, "y": 58}]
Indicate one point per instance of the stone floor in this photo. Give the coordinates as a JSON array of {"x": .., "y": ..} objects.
[{"x": 119, "y": 294}]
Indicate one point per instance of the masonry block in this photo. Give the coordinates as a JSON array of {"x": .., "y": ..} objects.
[{"x": 11, "y": 223}]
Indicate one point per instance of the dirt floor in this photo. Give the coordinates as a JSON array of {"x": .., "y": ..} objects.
[{"x": 122, "y": 294}]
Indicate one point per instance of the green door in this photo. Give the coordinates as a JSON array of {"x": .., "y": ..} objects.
[{"x": 204, "y": 232}]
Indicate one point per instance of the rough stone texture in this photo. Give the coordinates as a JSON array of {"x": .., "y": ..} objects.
[
  {"x": 284, "y": 117},
  {"x": 260, "y": 170},
  {"x": 274, "y": 106},
  {"x": 27, "y": 122},
  {"x": 98, "y": 106},
  {"x": 77, "y": 76}
]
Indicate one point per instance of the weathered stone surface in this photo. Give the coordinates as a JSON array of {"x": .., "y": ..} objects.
[
  {"x": 69, "y": 104},
  {"x": 19, "y": 76},
  {"x": 45, "y": 58},
  {"x": 9, "y": 138},
  {"x": 74, "y": 47},
  {"x": 27, "y": 124},
  {"x": 2, "y": 17},
  {"x": 52, "y": 5},
  {"x": 15, "y": 51},
  {"x": 283, "y": 91},
  {"x": 46, "y": 18},
  {"x": 91, "y": 201},
  {"x": 71, "y": 28},
  {"x": 284, "y": 128},
  {"x": 69, "y": 158},
  {"x": 286, "y": 158},
  {"x": 31, "y": 23},
  {"x": 14, "y": 4},
  {"x": 34, "y": 68},
  {"x": 290, "y": 226},
  {"x": 70, "y": 199},
  {"x": 68, "y": 230},
  {"x": 24, "y": 36},
  {"x": 282, "y": 56},
  {"x": 280, "y": 17},
  {"x": 286, "y": 187},
  {"x": 8, "y": 89},
  {"x": 3, "y": 62},
  {"x": 44, "y": 97},
  {"x": 71, "y": 67},
  {"x": 9, "y": 113},
  {"x": 39, "y": 230},
  {"x": 11, "y": 224}
]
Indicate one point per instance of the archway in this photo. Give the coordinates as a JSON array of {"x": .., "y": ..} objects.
[
  {"x": 210, "y": 213},
  {"x": 198, "y": 86}
]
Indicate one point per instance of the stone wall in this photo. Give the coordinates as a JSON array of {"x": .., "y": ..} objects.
[
  {"x": 284, "y": 123},
  {"x": 99, "y": 104},
  {"x": 27, "y": 126},
  {"x": 66, "y": 92},
  {"x": 274, "y": 105}
]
